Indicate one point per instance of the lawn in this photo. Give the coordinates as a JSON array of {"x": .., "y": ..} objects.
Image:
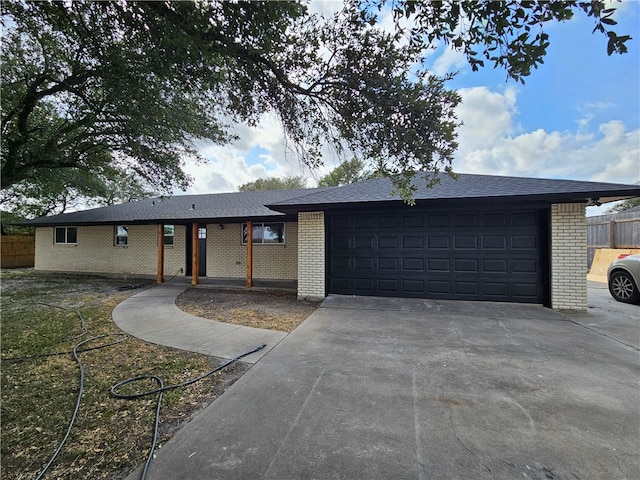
[{"x": 44, "y": 314}]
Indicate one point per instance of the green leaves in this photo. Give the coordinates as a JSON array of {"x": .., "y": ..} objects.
[
  {"x": 501, "y": 32},
  {"x": 129, "y": 86},
  {"x": 273, "y": 183}
]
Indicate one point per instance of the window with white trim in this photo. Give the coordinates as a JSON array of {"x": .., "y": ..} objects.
[
  {"x": 265, "y": 233},
  {"x": 122, "y": 235},
  {"x": 66, "y": 235}
]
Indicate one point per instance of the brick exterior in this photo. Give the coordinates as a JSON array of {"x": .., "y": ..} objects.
[
  {"x": 311, "y": 255},
  {"x": 227, "y": 256},
  {"x": 95, "y": 251},
  {"x": 568, "y": 256}
]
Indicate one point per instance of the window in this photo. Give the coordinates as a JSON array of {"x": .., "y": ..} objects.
[
  {"x": 265, "y": 233},
  {"x": 169, "y": 231},
  {"x": 66, "y": 235},
  {"x": 122, "y": 235}
]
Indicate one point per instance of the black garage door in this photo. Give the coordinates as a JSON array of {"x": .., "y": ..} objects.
[{"x": 483, "y": 255}]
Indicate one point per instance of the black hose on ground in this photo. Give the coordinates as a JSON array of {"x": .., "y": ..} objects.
[
  {"x": 160, "y": 392},
  {"x": 76, "y": 350},
  {"x": 78, "y": 400}
]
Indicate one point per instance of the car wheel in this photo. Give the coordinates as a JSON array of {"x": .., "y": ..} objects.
[{"x": 622, "y": 287}]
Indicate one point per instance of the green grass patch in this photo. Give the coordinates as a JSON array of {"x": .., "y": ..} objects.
[{"x": 111, "y": 436}]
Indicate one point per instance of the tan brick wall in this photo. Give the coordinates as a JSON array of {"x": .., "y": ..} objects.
[
  {"x": 95, "y": 251},
  {"x": 311, "y": 255},
  {"x": 568, "y": 256},
  {"x": 227, "y": 256}
]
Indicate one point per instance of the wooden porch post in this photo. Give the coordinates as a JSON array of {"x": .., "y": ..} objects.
[
  {"x": 160, "y": 275},
  {"x": 249, "y": 254},
  {"x": 195, "y": 263}
]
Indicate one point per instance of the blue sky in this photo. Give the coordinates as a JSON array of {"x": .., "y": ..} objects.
[{"x": 577, "y": 116}]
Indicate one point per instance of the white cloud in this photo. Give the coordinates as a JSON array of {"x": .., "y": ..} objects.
[
  {"x": 492, "y": 143},
  {"x": 451, "y": 60},
  {"x": 325, "y": 7},
  {"x": 229, "y": 166}
]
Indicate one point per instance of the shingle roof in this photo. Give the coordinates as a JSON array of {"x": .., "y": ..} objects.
[
  {"x": 465, "y": 187},
  {"x": 180, "y": 208},
  {"x": 241, "y": 206}
]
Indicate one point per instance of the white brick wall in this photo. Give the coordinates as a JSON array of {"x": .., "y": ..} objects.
[
  {"x": 95, "y": 251},
  {"x": 227, "y": 256},
  {"x": 311, "y": 255},
  {"x": 568, "y": 256}
]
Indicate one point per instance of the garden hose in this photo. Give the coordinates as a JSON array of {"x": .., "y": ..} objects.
[
  {"x": 78, "y": 400},
  {"x": 160, "y": 392},
  {"x": 113, "y": 390}
]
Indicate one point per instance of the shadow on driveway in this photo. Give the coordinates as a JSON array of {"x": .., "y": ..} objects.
[{"x": 370, "y": 388}]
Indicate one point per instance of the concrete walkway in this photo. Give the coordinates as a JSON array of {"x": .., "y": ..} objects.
[
  {"x": 386, "y": 389},
  {"x": 152, "y": 315}
]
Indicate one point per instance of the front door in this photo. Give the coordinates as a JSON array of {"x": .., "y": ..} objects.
[{"x": 202, "y": 252}]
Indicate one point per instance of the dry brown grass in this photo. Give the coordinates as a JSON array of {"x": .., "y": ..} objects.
[
  {"x": 110, "y": 436},
  {"x": 258, "y": 308}
]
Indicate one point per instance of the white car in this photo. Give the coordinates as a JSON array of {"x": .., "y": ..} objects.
[{"x": 624, "y": 277}]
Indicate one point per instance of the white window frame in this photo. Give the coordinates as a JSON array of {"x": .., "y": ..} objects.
[
  {"x": 66, "y": 236},
  {"x": 119, "y": 235}
]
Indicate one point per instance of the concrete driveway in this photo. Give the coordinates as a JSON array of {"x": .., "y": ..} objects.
[{"x": 370, "y": 388}]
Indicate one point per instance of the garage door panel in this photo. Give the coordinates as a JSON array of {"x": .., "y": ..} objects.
[
  {"x": 524, "y": 218},
  {"x": 524, "y": 290},
  {"x": 438, "y": 242},
  {"x": 364, "y": 286},
  {"x": 342, "y": 264},
  {"x": 492, "y": 256},
  {"x": 494, "y": 242},
  {"x": 439, "y": 287},
  {"x": 466, "y": 265},
  {"x": 389, "y": 286},
  {"x": 524, "y": 242},
  {"x": 413, "y": 286},
  {"x": 364, "y": 264},
  {"x": 413, "y": 241},
  {"x": 339, "y": 243},
  {"x": 496, "y": 290},
  {"x": 338, "y": 285},
  {"x": 364, "y": 242},
  {"x": 365, "y": 222},
  {"x": 413, "y": 264},
  {"x": 465, "y": 242},
  {"x": 386, "y": 264},
  {"x": 465, "y": 220},
  {"x": 412, "y": 221},
  {"x": 524, "y": 266},
  {"x": 388, "y": 221},
  {"x": 495, "y": 265},
  {"x": 467, "y": 288},
  {"x": 439, "y": 265},
  {"x": 438, "y": 221},
  {"x": 390, "y": 242}
]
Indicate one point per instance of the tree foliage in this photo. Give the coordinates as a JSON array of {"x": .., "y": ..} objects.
[
  {"x": 61, "y": 190},
  {"x": 349, "y": 171},
  {"x": 275, "y": 183},
  {"x": 509, "y": 34},
  {"x": 625, "y": 205},
  {"x": 128, "y": 86}
]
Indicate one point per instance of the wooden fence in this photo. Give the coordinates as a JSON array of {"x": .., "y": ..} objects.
[
  {"x": 617, "y": 230},
  {"x": 17, "y": 251}
]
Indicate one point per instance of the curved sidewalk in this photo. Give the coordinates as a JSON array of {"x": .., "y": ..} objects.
[{"x": 152, "y": 315}]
